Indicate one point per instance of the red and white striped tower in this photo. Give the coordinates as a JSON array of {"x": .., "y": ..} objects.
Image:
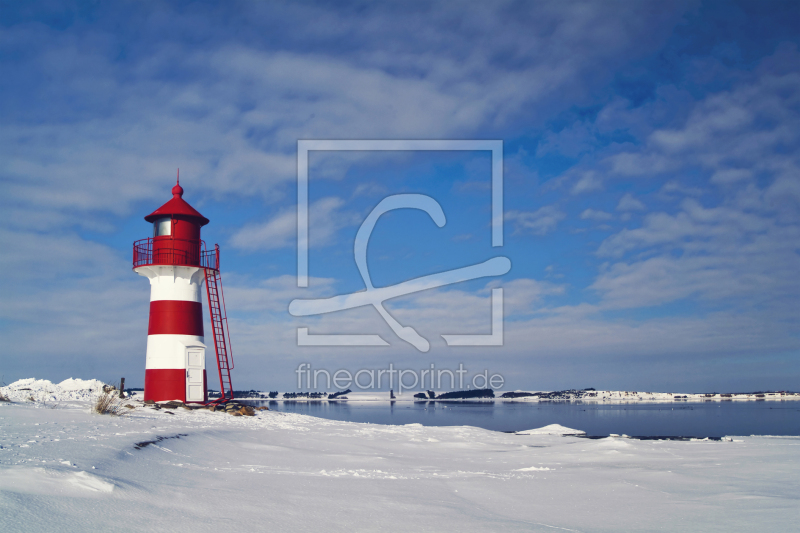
[{"x": 173, "y": 262}]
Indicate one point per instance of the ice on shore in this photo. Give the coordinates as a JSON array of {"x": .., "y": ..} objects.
[
  {"x": 610, "y": 396},
  {"x": 552, "y": 429}
]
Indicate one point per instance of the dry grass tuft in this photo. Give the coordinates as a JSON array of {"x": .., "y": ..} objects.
[
  {"x": 109, "y": 403},
  {"x": 4, "y": 398}
]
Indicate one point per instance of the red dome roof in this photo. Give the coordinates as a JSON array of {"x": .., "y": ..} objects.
[{"x": 177, "y": 206}]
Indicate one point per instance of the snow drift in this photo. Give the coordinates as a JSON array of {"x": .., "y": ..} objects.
[{"x": 42, "y": 390}]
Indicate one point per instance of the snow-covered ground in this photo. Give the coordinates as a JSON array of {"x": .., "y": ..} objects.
[{"x": 65, "y": 469}]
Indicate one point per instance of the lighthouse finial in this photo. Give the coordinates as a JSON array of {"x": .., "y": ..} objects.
[{"x": 177, "y": 190}]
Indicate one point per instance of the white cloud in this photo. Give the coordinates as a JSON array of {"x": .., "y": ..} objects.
[
  {"x": 587, "y": 182},
  {"x": 523, "y": 296},
  {"x": 95, "y": 135},
  {"x": 674, "y": 187},
  {"x": 710, "y": 254},
  {"x": 532, "y": 332},
  {"x": 571, "y": 141},
  {"x": 594, "y": 214},
  {"x": 751, "y": 130},
  {"x": 272, "y": 295},
  {"x": 106, "y": 313},
  {"x": 693, "y": 226},
  {"x": 325, "y": 216},
  {"x": 70, "y": 307},
  {"x": 629, "y": 164},
  {"x": 370, "y": 189},
  {"x": 629, "y": 203},
  {"x": 731, "y": 175},
  {"x": 539, "y": 222},
  {"x": 102, "y": 134}
]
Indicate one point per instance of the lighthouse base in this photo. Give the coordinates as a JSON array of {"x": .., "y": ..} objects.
[{"x": 169, "y": 384}]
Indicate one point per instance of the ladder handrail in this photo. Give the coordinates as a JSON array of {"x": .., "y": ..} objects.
[{"x": 219, "y": 327}]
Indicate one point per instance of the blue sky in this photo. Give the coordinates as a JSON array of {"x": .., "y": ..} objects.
[{"x": 652, "y": 193}]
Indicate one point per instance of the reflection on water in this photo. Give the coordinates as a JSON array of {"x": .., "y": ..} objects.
[{"x": 707, "y": 419}]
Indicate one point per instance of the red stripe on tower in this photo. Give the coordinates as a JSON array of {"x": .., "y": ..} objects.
[
  {"x": 175, "y": 317},
  {"x": 160, "y": 383},
  {"x": 167, "y": 383}
]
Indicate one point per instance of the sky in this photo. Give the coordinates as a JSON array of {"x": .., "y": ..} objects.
[{"x": 651, "y": 157}]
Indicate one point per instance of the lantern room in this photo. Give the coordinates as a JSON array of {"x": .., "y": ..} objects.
[{"x": 176, "y": 231}]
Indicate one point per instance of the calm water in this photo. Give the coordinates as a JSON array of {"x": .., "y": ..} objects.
[{"x": 707, "y": 419}]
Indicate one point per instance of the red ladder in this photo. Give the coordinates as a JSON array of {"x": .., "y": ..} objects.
[{"x": 219, "y": 328}]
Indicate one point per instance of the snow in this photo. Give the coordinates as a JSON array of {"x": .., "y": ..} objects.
[
  {"x": 42, "y": 390},
  {"x": 63, "y": 468},
  {"x": 608, "y": 396},
  {"x": 552, "y": 429}
]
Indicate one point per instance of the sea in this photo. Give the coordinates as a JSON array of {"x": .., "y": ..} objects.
[{"x": 640, "y": 419}]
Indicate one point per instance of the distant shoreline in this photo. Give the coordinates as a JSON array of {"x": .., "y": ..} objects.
[{"x": 554, "y": 396}]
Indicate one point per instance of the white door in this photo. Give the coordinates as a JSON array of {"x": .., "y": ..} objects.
[{"x": 195, "y": 364}]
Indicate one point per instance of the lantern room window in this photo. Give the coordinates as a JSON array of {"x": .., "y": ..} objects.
[{"x": 162, "y": 226}]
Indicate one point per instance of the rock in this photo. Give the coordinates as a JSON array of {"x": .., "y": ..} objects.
[
  {"x": 235, "y": 413},
  {"x": 129, "y": 406},
  {"x": 246, "y": 410},
  {"x": 149, "y": 402},
  {"x": 263, "y": 408}
]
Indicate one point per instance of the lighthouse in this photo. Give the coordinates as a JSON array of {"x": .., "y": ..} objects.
[{"x": 181, "y": 272}]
